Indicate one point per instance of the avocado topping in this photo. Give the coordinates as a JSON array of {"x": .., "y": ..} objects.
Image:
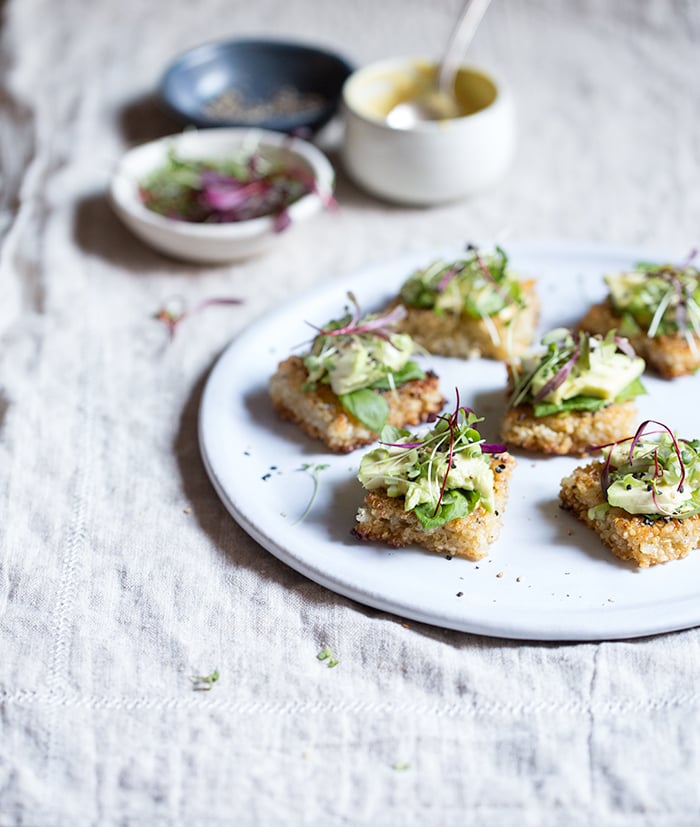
[
  {"x": 359, "y": 355},
  {"x": 657, "y": 299},
  {"x": 478, "y": 285},
  {"x": 653, "y": 473},
  {"x": 442, "y": 475},
  {"x": 577, "y": 372}
]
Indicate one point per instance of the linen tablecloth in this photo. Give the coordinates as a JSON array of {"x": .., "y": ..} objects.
[{"x": 122, "y": 575}]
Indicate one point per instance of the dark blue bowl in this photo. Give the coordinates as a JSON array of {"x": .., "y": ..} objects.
[{"x": 272, "y": 84}]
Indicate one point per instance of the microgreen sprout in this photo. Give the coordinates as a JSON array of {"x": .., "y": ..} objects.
[
  {"x": 171, "y": 315},
  {"x": 480, "y": 285},
  {"x": 377, "y": 325},
  {"x": 558, "y": 377},
  {"x": 660, "y": 299},
  {"x": 657, "y": 460},
  {"x": 453, "y": 434},
  {"x": 486, "y": 270},
  {"x": 204, "y": 682},
  {"x": 314, "y": 471},
  {"x": 360, "y": 357},
  {"x": 326, "y": 655}
]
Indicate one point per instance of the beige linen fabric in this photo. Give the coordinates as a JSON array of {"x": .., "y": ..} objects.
[{"x": 121, "y": 574}]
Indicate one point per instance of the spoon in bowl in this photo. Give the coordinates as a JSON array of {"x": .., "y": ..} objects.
[{"x": 439, "y": 102}]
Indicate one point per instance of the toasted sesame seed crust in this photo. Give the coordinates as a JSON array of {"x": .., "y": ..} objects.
[
  {"x": 668, "y": 355},
  {"x": 570, "y": 432},
  {"x": 320, "y": 415},
  {"x": 382, "y": 518},
  {"x": 459, "y": 336},
  {"x": 630, "y": 536}
]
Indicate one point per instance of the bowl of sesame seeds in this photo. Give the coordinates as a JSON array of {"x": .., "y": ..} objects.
[{"x": 271, "y": 84}]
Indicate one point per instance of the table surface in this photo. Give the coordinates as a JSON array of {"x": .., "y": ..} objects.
[{"x": 122, "y": 574}]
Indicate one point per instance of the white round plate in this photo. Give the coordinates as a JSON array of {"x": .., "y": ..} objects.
[{"x": 548, "y": 577}]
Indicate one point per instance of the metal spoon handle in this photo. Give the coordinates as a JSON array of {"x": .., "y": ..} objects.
[{"x": 462, "y": 35}]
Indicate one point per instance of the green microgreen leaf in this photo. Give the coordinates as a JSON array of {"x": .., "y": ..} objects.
[
  {"x": 204, "y": 682},
  {"x": 314, "y": 471},
  {"x": 326, "y": 654},
  {"x": 410, "y": 371},
  {"x": 369, "y": 407},
  {"x": 455, "y": 503}
]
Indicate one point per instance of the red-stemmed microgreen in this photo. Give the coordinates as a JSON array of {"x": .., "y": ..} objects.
[
  {"x": 446, "y": 440},
  {"x": 641, "y": 432},
  {"x": 172, "y": 318},
  {"x": 559, "y": 377},
  {"x": 488, "y": 275},
  {"x": 377, "y": 325},
  {"x": 448, "y": 275},
  {"x": 670, "y": 294}
]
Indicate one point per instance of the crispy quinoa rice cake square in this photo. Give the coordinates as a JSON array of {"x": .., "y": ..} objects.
[
  {"x": 669, "y": 355},
  {"x": 383, "y": 519},
  {"x": 461, "y": 336},
  {"x": 320, "y": 415},
  {"x": 569, "y": 432},
  {"x": 630, "y": 536}
]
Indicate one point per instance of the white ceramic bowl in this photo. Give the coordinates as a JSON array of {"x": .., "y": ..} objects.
[
  {"x": 434, "y": 161},
  {"x": 214, "y": 243}
]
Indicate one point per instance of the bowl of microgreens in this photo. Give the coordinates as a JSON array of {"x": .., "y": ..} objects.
[{"x": 218, "y": 195}]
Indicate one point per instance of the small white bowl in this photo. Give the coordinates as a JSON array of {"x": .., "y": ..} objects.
[
  {"x": 431, "y": 162},
  {"x": 215, "y": 243}
]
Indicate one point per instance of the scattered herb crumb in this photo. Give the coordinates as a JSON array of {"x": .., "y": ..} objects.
[
  {"x": 187, "y": 510},
  {"x": 204, "y": 682},
  {"x": 326, "y": 654},
  {"x": 519, "y": 579},
  {"x": 401, "y": 765},
  {"x": 500, "y": 574},
  {"x": 266, "y": 477},
  {"x": 460, "y": 594}
]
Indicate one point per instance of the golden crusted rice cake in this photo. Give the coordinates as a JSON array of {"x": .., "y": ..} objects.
[
  {"x": 569, "y": 432},
  {"x": 444, "y": 491},
  {"x": 657, "y": 307},
  {"x": 357, "y": 377},
  {"x": 320, "y": 414},
  {"x": 643, "y": 498},
  {"x": 473, "y": 306},
  {"x": 575, "y": 393}
]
